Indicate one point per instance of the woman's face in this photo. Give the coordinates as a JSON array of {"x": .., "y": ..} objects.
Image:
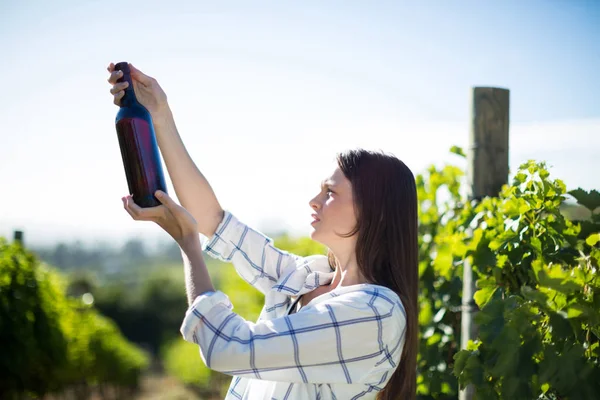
[{"x": 333, "y": 210}]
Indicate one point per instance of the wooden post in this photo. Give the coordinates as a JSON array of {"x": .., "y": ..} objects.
[
  {"x": 18, "y": 237},
  {"x": 487, "y": 171}
]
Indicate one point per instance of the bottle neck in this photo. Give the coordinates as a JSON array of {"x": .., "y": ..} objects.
[{"x": 129, "y": 98}]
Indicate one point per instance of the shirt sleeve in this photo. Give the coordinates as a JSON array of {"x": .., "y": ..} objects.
[
  {"x": 351, "y": 338},
  {"x": 252, "y": 253}
]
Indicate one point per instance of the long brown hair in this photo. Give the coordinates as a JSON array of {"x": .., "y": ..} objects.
[{"x": 385, "y": 198}]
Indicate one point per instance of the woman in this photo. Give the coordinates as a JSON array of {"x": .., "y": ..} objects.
[{"x": 342, "y": 326}]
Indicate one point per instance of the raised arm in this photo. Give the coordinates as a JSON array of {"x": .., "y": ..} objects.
[{"x": 192, "y": 188}]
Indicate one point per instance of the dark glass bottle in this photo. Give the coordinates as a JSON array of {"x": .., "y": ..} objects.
[{"x": 139, "y": 149}]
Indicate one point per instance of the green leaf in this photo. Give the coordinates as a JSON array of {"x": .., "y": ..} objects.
[
  {"x": 536, "y": 244},
  {"x": 510, "y": 388},
  {"x": 519, "y": 178},
  {"x": 561, "y": 327},
  {"x": 474, "y": 368},
  {"x": 590, "y": 200},
  {"x": 473, "y": 345},
  {"x": 425, "y": 314},
  {"x": 593, "y": 239},
  {"x": 583, "y": 310},
  {"x": 560, "y": 186},
  {"x": 460, "y": 361},
  {"x": 507, "y": 343},
  {"x": 443, "y": 261},
  {"x": 490, "y": 319},
  {"x": 487, "y": 289},
  {"x": 545, "y": 387},
  {"x": 434, "y": 339},
  {"x": 501, "y": 260},
  {"x": 536, "y": 296},
  {"x": 523, "y": 208},
  {"x": 574, "y": 312},
  {"x": 458, "y": 151},
  {"x": 554, "y": 277},
  {"x": 484, "y": 295},
  {"x": 570, "y": 360}
]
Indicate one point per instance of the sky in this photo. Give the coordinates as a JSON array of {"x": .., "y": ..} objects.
[{"x": 265, "y": 93}]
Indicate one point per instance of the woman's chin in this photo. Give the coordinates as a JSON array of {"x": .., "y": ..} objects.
[{"x": 314, "y": 234}]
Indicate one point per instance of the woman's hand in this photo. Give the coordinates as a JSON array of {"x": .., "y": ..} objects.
[
  {"x": 147, "y": 90},
  {"x": 170, "y": 216}
]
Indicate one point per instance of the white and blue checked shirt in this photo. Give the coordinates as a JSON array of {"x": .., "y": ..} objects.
[{"x": 344, "y": 344}]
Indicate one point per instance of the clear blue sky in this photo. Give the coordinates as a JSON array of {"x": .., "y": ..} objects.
[{"x": 265, "y": 93}]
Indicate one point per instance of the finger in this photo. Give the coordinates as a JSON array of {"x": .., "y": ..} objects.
[
  {"x": 117, "y": 97},
  {"x": 111, "y": 67},
  {"x": 165, "y": 199},
  {"x": 127, "y": 208},
  {"x": 142, "y": 214},
  {"x": 118, "y": 87},
  {"x": 133, "y": 209},
  {"x": 140, "y": 76},
  {"x": 168, "y": 202},
  {"x": 114, "y": 75}
]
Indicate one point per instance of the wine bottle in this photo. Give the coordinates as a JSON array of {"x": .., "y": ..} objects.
[{"x": 139, "y": 149}]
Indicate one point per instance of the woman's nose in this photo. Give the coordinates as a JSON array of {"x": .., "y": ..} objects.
[{"x": 313, "y": 203}]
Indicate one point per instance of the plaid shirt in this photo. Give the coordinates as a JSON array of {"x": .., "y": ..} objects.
[{"x": 344, "y": 344}]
